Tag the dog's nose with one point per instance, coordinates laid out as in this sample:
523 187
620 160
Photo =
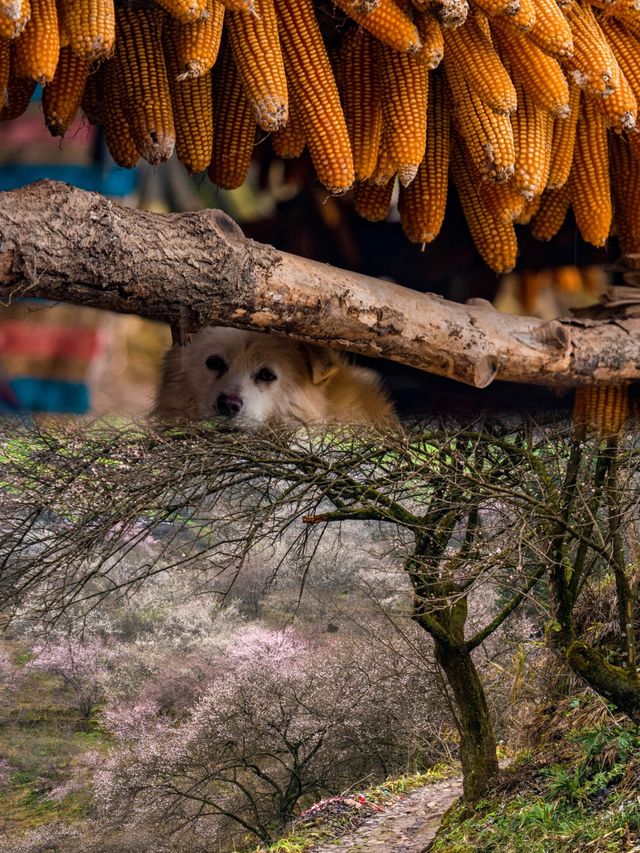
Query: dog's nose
229 404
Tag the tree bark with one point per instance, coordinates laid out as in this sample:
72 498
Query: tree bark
477 739
614 683
197 269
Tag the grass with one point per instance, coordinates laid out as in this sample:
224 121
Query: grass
39 757
580 793
40 742
534 825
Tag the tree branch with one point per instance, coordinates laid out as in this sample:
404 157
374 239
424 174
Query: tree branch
196 269
506 611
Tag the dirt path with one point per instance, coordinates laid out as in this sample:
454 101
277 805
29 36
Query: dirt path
407 826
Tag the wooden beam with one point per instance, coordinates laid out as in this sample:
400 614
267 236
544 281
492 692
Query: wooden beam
197 269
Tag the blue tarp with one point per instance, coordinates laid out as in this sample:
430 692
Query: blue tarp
113 181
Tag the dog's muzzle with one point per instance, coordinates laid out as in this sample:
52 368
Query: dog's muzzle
229 405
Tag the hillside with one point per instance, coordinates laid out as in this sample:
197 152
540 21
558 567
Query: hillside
576 788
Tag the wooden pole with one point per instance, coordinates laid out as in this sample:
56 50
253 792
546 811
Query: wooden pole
197 269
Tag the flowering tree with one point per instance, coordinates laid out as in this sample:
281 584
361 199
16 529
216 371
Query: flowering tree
82 667
281 723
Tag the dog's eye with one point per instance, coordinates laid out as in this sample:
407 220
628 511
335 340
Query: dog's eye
265 375
214 362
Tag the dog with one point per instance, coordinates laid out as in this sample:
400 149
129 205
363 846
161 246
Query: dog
256 379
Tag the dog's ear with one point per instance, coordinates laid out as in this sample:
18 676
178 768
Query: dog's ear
174 396
323 363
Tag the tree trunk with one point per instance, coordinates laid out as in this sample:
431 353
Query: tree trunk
198 269
477 739
619 564
614 683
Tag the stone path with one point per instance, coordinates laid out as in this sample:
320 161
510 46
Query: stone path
407 826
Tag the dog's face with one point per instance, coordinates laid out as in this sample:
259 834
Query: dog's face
253 379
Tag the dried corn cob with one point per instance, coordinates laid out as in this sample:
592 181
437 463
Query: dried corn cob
525 17
235 126
8 28
619 8
117 130
626 49
621 107
551 32
592 63
404 88
146 97
589 180
361 100
492 8
529 210
384 169
89 26
625 182
238 5
532 133
631 23
184 10
363 7
5 70
311 78
14 15
483 24
290 141
495 241
487 135
502 201
192 107
563 141
448 13
468 47
372 201
387 22
11 9
422 203
92 102
61 98
536 71
38 48
197 44
19 91
600 409
633 141
430 32
258 57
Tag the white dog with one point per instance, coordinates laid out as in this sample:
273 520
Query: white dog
263 379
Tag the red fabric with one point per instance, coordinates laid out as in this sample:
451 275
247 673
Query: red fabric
48 341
